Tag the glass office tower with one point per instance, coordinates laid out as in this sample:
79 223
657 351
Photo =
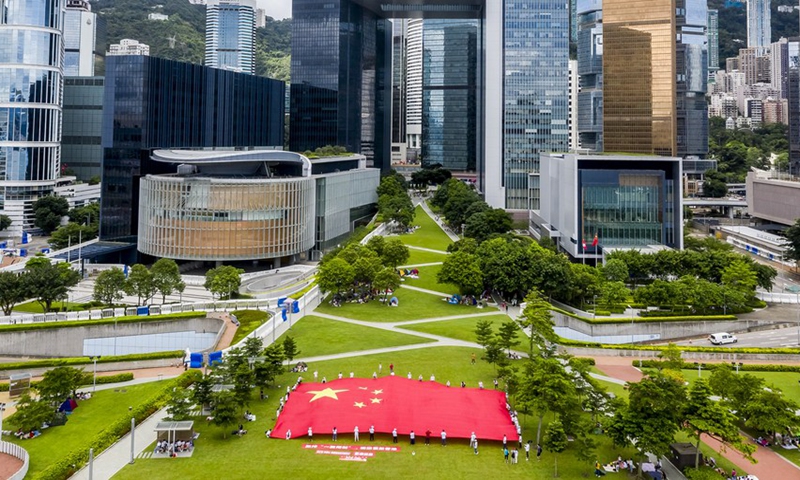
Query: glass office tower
31 63
535 91
449 93
231 35
691 65
759 27
590 69
712 26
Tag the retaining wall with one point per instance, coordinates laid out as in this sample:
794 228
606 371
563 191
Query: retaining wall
721 356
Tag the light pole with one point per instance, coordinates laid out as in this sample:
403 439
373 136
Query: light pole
632 326
2 409
94 359
736 366
133 432
594 307
700 369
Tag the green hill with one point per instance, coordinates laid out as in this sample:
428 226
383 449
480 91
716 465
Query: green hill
182 37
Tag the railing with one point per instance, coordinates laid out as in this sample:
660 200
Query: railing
17 452
775 297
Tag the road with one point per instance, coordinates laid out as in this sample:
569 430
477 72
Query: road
782 337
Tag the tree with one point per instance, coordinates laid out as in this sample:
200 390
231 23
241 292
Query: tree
793 242
167 277
463 270
243 383
72 234
555 440
202 393
740 276
705 416
290 350
59 383
714 188
265 372
670 358
546 387
179 405
12 290
394 253
48 212
225 410
253 347
536 317
376 244
5 222
48 282
224 281
109 285
613 293
616 270
483 332
140 283
32 414
482 225
367 267
507 335
89 214
386 280
493 353
335 275
770 411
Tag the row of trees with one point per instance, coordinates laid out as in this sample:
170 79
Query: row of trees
56 386
430 175
363 267
463 207
43 280
394 204
163 277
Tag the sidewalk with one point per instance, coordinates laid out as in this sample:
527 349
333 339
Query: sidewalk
446 230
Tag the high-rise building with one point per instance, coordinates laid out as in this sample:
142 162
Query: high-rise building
127 46
81 149
574 89
231 35
30 112
573 21
84 39
691 66
793 104
399 85
779 66
414 85
590 72
449 93
754 62
152 103
759 29
712 26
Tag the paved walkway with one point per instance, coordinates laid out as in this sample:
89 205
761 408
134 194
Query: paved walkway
425 290
417 265
423 249
438 221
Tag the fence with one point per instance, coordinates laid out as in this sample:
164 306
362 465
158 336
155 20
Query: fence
775 297
17 452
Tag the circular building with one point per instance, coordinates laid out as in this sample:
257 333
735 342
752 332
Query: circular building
226 205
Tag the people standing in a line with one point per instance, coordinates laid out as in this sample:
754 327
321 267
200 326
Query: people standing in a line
288 433
505 454
505 441
514 455
472 439
371 433
475 446
394 436
409 375
310 435
427 437
444 438
335 434
355 434
412 437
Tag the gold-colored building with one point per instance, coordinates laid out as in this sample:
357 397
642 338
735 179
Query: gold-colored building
639 76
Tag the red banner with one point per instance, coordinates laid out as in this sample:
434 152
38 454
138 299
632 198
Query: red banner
389 403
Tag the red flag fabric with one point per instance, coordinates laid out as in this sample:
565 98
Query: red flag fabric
394 402
594 242
584 244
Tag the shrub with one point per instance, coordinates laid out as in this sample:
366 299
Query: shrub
658 348
72 361
88 379
105 321
684 318
746 367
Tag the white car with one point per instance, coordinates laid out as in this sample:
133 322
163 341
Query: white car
722 338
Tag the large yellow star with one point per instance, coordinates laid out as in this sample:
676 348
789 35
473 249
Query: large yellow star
377 392
359 405
328 392
375 400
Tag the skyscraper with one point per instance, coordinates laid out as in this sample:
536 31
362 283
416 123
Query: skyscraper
759 29
712 26
30 155
691 66
231 35
84 39
414 85
590 71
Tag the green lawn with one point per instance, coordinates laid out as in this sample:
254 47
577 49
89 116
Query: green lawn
786 381
419 257
34 307
429 235
463 328
316 336
427 280
414 305
252 455
87 421
249 320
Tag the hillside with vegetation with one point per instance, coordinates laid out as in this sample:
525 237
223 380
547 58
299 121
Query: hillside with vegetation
182 36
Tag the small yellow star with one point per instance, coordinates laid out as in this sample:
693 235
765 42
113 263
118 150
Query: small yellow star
377 392
328 392
359 405
375 400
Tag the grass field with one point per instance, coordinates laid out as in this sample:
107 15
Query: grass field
427 280
462 328
414 305
317 336
252 455
35 307
429 235
88 420
249 320
419 257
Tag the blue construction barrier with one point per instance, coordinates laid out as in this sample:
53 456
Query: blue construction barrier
215 357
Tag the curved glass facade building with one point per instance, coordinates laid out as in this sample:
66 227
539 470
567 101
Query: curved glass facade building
31 62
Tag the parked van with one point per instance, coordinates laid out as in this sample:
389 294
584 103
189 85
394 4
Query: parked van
722 338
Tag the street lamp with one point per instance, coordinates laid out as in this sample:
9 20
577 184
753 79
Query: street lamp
594 307
700 369
94 359
736 366
632 319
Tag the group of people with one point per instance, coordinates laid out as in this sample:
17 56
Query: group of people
27 435
619 464
289 390
788 441
174 448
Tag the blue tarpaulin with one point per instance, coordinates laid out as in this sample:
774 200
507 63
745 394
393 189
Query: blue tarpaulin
142 311
215 357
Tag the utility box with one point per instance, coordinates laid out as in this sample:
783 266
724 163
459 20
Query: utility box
683 455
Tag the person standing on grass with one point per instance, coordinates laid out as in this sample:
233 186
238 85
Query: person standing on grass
372 433
505 441
444 438
335 434
394 435
391 367
505 454
538 452
355 434
473 359
310 435
527 452
427 437
412 437
475 446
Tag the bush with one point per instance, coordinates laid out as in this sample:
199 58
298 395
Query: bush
105 321
88 379
657 348
744 368
80 455
661 318
73 361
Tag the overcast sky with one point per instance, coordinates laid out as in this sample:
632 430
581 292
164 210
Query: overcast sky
276 8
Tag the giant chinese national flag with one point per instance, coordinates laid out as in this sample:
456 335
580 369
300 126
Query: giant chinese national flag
395 402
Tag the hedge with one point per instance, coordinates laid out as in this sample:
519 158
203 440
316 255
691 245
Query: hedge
745 367
78 457
299 295
88 380
688 318
58 362
104 321
658 348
